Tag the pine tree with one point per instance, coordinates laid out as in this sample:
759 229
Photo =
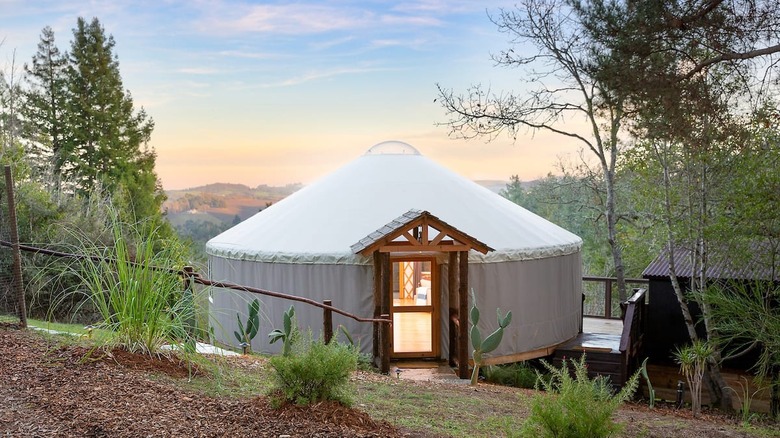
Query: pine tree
107 140
45 106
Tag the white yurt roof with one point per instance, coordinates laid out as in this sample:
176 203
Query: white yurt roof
320 222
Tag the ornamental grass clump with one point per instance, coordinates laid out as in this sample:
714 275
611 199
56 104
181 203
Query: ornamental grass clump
575 406
142 306
313 372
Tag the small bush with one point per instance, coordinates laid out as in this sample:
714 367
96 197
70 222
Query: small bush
314 372
577 407
519 375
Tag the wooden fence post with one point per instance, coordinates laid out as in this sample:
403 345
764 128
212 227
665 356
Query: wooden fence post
21 305
189 298
327 321
608 298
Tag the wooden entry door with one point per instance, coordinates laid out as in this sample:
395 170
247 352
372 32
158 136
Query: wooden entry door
414 308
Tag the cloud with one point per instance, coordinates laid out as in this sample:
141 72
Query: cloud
314 18
247 55
290 19
317 75
198 71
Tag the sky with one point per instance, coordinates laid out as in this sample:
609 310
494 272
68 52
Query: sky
277 92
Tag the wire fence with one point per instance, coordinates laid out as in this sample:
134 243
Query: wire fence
12 300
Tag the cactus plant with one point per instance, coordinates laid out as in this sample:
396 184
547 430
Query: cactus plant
248 331
489 343
288 334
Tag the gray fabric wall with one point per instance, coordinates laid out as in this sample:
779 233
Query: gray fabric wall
350 287
544 295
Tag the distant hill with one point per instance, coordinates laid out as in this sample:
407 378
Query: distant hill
224 201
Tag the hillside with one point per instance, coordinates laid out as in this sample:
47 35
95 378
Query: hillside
223 201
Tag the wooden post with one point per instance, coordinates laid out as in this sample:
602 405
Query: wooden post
386 292
608 298
327 322
463 315
189 299
385 355
21 305
377 299
452 289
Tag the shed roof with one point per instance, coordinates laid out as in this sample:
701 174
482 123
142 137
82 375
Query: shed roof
753 262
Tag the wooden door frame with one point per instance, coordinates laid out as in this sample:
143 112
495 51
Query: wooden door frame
434 308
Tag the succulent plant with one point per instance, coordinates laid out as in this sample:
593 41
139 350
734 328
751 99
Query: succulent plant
287 335
249 331
488 344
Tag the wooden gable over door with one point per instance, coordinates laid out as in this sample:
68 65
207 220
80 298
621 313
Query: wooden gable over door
419 231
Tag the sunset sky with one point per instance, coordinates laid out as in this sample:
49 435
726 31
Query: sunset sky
278 92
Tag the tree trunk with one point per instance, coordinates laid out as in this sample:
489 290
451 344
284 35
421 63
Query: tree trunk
617 252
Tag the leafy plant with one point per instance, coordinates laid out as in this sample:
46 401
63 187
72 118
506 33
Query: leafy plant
575 406
650 390
289 333
693 360
745 399
365 361
134 288
488 344
313 372
248 331
519 375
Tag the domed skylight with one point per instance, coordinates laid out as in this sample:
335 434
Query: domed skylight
392 148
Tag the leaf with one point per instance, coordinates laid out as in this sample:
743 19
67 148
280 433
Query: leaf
491 342
474 316
276 335
254 308
476 338
503 323
238 336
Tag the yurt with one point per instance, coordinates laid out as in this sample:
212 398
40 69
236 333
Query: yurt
395 233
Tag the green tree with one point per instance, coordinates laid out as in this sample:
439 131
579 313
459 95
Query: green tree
107 141
689 73
44 111
561 88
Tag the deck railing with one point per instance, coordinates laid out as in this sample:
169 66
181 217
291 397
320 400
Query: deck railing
600 298
633 330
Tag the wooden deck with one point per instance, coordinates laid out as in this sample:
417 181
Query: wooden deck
602 326
610 348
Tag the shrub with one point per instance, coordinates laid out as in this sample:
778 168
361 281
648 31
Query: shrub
143 307
519 375
314 372
576 406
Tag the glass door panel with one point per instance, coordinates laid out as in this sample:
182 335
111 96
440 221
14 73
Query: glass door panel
412 332
413 310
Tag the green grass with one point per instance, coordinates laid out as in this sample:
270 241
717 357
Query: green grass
441 409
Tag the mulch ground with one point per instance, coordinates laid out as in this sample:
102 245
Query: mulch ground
52 391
